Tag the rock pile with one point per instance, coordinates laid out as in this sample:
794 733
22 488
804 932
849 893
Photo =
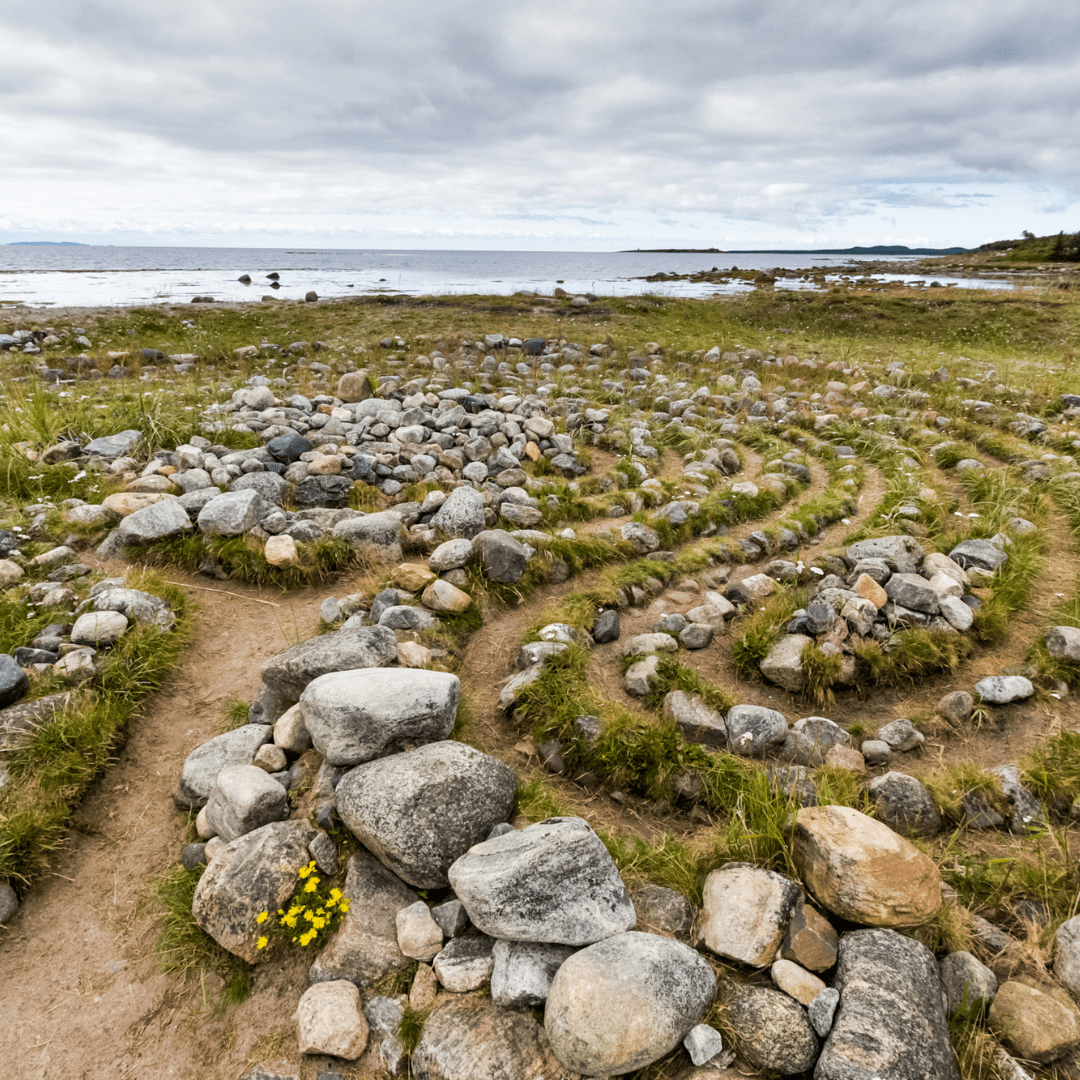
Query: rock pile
883 585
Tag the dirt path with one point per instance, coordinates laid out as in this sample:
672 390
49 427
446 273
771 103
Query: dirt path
84 997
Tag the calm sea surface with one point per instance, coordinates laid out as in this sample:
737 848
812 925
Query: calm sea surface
59 275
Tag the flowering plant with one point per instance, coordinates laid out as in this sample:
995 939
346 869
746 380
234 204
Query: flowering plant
312 914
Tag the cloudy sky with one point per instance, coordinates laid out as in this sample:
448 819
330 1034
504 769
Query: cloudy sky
568 124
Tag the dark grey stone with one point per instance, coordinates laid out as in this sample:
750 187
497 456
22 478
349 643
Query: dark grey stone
14 682
773 1030
905 805
606 628
969 985
503 558
980 554
328 491
891 1021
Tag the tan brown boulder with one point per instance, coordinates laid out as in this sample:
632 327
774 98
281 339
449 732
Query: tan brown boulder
870 590
354 386
412 577
860 869
1035 1023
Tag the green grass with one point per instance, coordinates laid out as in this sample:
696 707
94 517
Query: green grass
242 559
762 628
50 774
182 947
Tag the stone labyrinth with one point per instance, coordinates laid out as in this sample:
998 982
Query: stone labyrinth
651 725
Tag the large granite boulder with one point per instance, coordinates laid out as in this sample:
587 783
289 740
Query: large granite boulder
754 731
344 650
1037 1023
503 558
461 515
523 971
376 536
860 869
157 521
783 665
891 1021
233 513
355 716
551 882
256 872
421 810
364 948
625 1002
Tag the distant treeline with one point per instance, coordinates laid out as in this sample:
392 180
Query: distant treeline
1064 247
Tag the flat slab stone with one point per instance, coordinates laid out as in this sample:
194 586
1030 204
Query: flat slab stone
344 650
1004 689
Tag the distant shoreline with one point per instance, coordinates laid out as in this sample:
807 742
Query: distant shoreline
880 249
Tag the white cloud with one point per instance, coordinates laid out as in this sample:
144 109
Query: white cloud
612 123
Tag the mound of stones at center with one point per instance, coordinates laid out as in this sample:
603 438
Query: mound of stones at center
502 920
879 586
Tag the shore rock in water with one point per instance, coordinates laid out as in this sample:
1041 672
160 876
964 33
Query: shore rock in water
468 1038
891 1021
420 810
364 948
746 912
354 716
344 650
625 1002
236 747
860 869
551 882
774 1030
256 872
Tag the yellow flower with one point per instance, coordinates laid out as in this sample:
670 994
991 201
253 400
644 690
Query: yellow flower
343 906
318 923
306 870
308 915
261 943
312 885
262 917
335 894
289 921
308 937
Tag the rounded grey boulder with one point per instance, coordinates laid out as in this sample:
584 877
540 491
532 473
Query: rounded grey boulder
625 1002
552 882
355 716
419 811
774 1032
